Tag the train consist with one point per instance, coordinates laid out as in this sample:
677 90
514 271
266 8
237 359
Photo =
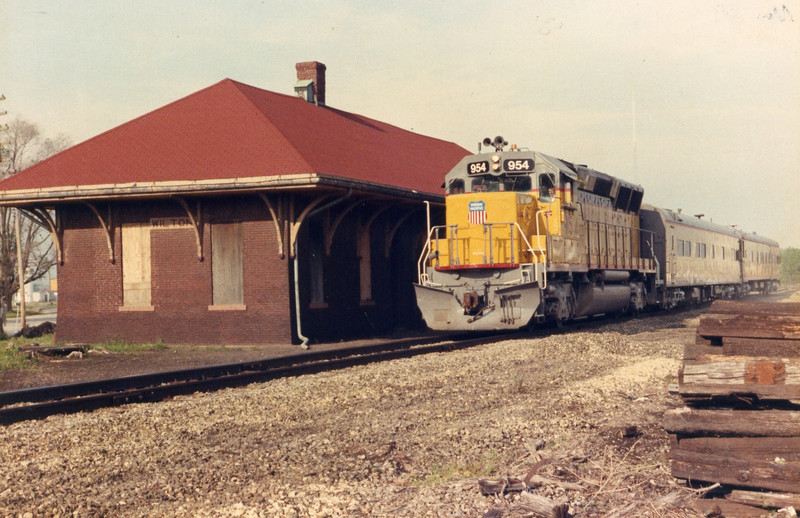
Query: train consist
530 238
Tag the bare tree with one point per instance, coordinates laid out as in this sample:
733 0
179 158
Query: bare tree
23 147
20 136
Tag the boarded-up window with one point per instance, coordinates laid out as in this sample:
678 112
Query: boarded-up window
135 265
226 263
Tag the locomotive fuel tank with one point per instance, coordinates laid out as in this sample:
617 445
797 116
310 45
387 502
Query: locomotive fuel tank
610 298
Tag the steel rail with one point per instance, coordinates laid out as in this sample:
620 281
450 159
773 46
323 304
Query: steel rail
41 402
37 403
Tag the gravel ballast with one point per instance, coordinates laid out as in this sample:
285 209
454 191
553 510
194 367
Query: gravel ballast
409 437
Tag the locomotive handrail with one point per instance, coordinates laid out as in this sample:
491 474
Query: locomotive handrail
546 229
426 251
434 236
511 226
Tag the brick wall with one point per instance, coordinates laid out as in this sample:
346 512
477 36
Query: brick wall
314 71
90 288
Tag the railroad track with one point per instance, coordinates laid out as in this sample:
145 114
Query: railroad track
38 403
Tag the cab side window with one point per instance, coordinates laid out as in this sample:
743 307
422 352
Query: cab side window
547 187
456 187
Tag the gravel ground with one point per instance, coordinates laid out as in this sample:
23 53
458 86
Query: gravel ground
409 437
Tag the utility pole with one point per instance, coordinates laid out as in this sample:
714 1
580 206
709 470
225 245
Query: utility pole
3 301
21 274
3 127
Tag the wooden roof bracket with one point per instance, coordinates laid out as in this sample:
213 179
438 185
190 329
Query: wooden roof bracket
197 224
393 231
331 230
107 228
278 219
296 223
43 218
363 228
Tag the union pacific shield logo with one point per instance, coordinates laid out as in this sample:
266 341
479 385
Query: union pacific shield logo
477 212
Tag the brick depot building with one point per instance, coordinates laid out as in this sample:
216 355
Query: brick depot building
237 216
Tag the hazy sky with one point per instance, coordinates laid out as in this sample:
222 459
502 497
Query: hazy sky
698 102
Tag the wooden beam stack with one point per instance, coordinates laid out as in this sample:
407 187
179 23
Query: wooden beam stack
740 382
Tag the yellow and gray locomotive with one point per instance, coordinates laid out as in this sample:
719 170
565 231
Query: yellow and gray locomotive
532 238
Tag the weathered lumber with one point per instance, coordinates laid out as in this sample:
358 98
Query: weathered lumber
742 351
742 370
764 348
777 476
495 486
755 448
722 507
540 506
754 308
770 378
742 423
764 499
677 498
737 346
49 350
701 347
750 326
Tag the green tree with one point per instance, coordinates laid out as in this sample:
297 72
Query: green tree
790 266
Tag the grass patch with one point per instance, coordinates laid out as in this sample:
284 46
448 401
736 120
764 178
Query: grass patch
12 359
122 347
28 312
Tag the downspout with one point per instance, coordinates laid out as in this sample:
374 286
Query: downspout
305 339
337 201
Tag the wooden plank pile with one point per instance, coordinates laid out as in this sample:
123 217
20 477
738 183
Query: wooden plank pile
740 381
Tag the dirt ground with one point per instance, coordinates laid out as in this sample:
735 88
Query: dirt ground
581 410
99 364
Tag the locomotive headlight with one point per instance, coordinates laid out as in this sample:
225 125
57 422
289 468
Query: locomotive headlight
495 163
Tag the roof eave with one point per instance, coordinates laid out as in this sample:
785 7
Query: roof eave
151 190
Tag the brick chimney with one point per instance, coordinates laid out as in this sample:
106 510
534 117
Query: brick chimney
313 72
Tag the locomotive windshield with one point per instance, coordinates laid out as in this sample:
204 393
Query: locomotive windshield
495 184
486 184
517 183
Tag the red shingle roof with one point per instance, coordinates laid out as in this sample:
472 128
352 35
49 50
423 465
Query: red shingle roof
232 130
